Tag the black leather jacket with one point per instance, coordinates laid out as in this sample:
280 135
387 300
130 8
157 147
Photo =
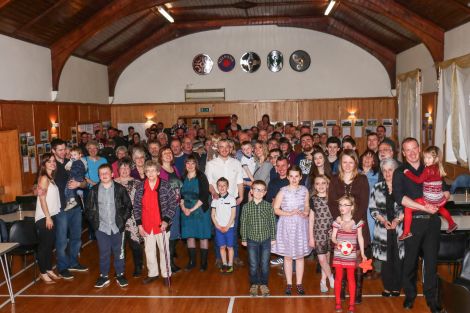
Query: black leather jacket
121 200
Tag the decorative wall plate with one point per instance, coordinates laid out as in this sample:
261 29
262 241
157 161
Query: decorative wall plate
250 62
275 61
202 64
299 60
226 62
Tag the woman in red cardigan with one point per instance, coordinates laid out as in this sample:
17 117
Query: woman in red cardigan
350 182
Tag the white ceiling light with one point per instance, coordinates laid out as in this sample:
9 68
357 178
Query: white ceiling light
330 7
166 14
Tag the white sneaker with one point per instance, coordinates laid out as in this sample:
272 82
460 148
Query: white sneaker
323 287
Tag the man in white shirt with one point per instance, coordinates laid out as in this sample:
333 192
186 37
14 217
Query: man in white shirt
231 169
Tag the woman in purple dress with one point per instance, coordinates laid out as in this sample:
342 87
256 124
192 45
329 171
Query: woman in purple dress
292 206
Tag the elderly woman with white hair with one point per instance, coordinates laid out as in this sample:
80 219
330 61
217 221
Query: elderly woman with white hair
388 216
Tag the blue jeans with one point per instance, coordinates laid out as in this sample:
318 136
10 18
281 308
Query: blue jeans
258 259
235 243
462 181
68 238
111 243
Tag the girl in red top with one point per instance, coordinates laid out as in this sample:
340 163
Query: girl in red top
431 178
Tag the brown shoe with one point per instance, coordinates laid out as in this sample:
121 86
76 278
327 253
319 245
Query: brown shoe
237 262
264 290
149 279
46 279
52 275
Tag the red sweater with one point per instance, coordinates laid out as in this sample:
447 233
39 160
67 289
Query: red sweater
151 219
432 184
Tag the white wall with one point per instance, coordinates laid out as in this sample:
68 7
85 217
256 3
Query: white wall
25 74
457 42
419 57
25 70
83 81
338 68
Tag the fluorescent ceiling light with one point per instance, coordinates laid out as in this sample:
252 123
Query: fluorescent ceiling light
330 7
166 14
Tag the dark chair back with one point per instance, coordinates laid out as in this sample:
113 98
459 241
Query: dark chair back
8 207
28 203
452 247
3 231
466 267
24 233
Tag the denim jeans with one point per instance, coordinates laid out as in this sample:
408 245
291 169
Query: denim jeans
462 181
68 237
235 245
258 259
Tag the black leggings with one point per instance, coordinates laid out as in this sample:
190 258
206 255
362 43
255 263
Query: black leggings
46 245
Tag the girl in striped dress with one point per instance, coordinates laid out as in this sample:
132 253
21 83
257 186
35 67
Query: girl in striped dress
347 235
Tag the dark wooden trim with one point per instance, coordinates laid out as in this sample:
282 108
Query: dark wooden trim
177 10
111 38
63 48
4 3
428 32
345 6
465 7
39 17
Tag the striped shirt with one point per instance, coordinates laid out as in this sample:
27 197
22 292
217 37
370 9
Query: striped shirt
258 222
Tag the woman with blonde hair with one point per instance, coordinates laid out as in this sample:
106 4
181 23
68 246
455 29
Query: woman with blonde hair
349 182
263 166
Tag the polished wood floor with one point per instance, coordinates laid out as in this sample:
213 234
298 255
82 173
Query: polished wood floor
208 292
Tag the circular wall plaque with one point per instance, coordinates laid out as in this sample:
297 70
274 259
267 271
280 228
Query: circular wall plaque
202 64
299 60
250 62
275 61
226 62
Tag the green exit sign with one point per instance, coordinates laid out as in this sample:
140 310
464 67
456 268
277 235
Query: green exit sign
204 110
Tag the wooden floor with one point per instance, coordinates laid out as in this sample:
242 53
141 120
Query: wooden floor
208 292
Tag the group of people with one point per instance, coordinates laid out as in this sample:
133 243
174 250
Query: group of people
277 189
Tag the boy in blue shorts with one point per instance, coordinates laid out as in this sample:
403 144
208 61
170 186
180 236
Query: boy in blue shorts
223 217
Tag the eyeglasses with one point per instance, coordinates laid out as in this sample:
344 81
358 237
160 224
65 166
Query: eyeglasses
258 190
385 150
345 205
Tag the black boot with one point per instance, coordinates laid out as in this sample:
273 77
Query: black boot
192 259
174 268
359 278
203 260
342 295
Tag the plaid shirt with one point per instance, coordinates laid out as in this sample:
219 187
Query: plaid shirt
258 222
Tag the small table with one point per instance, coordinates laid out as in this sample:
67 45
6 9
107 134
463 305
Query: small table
16 216
4 249
463 221
460 198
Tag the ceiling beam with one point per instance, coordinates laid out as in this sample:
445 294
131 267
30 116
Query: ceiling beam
118 33
386 56
350 9
120 63
461 5
4 3
430 34
39 17
252 21
260 4
63 48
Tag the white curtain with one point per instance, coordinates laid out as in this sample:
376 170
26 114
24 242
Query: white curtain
409 105
453 110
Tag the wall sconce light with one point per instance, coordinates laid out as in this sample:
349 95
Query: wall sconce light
54 124
352 115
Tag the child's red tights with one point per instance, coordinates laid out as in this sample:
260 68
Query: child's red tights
351 284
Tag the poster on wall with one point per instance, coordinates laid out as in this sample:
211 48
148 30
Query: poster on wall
26 163
358 124
318 126
41 149
34 165
346 127
329 127
43 135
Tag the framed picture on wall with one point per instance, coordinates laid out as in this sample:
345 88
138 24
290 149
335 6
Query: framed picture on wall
44 135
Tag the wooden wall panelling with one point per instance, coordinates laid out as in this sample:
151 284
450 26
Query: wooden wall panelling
68 117
84 114
104 112
277 111
45 113
10 168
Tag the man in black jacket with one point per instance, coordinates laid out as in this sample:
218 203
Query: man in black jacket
108 207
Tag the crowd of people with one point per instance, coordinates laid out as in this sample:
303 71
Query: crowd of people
279 190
